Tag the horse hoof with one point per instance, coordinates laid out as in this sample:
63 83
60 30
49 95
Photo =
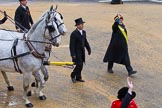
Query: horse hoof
46 78
42 97
10 88
29 93
33 84
29 105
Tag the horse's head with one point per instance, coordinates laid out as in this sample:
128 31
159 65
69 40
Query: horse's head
58 18
52 30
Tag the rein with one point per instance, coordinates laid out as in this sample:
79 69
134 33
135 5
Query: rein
17 24
55 37
26 40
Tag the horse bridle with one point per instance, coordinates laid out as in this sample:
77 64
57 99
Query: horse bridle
51 29
31 47
55 19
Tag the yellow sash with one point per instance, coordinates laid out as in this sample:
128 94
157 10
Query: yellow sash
124 33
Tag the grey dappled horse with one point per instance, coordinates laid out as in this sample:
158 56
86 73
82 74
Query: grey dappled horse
32 52
62 30
40 81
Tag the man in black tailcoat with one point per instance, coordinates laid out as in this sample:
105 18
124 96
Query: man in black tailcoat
117 51
78 43
23 17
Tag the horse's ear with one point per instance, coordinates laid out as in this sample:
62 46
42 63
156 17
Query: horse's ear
56 7
48 17
51 8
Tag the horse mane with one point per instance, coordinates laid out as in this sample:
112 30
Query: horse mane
44 14
35 24
34 27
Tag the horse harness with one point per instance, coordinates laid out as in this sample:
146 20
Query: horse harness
33 51
15 56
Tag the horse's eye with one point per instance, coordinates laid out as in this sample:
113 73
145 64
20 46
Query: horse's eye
51 28
55 19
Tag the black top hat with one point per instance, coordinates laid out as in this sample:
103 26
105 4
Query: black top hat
79 21
123 91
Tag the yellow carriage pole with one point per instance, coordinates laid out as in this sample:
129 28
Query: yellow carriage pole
58 63
61 63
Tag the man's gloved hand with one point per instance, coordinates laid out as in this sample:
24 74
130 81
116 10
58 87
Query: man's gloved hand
89 52
74 59
18 30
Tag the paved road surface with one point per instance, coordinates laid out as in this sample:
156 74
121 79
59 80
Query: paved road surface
143 22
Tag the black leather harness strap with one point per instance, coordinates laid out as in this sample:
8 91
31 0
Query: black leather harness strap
33 50
13 53
16 56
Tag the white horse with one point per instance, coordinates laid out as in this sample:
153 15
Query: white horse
40 81
29 53
62 30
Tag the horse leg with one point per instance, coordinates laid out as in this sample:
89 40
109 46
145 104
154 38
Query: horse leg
26 82
40 83
38 78
10 87
39 87
46 76
45 72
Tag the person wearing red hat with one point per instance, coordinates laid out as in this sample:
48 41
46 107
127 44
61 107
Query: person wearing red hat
125 97
78 43
4 18
23 17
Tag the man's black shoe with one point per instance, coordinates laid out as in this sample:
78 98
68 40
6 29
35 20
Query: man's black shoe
73 77
110 71
80 80
73 80
132 72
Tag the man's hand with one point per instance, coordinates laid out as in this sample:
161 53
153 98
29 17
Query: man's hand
18 30
130 85
74 59
89 52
